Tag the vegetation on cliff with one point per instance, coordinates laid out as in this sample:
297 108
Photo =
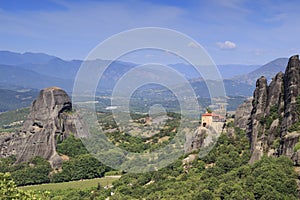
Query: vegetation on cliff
223 174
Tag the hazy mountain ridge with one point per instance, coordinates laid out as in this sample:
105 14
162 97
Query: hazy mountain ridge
38 70
57 67
268 70
13 58
11 100
16 77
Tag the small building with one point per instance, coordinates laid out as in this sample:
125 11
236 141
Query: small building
208 118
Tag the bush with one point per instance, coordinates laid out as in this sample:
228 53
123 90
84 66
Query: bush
9 190
81 167
297 146
36 171
71 147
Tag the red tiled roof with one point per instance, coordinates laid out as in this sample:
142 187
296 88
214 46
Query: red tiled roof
211 114
207 114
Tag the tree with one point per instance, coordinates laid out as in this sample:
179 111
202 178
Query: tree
209 110
35 171
9 190
205 195
81 167
71 147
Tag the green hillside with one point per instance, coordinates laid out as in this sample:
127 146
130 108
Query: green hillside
12 100
12 120
223 174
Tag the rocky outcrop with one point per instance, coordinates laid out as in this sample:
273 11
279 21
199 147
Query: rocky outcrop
259 104
203 137
195 140
275 111
242 114
291 92
50 119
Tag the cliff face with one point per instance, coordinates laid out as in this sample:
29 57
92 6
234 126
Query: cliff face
273 126
195 140
242 114
50 119
203 137
259 104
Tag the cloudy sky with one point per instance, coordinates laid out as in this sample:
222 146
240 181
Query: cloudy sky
231 31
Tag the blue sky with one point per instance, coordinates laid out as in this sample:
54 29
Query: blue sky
231 31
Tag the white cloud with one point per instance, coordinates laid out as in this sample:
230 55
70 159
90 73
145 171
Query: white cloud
227 45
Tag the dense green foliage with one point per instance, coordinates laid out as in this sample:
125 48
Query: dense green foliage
81 164
226 176
35 171
81 167
71 146
222 174
9 191
140 144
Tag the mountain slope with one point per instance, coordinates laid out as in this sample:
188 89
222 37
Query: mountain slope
55 67
13 76
231 70
12 58
35 70
11 100
268 70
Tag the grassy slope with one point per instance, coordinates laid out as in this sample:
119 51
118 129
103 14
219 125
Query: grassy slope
84 184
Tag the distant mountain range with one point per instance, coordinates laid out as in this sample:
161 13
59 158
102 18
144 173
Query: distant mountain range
15 77
268 70
12 58
55 67
37 70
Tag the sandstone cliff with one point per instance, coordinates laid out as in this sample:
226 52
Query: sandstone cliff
51 118
273 126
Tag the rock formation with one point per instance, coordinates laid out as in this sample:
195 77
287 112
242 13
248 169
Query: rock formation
273 126
242 114
203 137
195 140
50 119
259 104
